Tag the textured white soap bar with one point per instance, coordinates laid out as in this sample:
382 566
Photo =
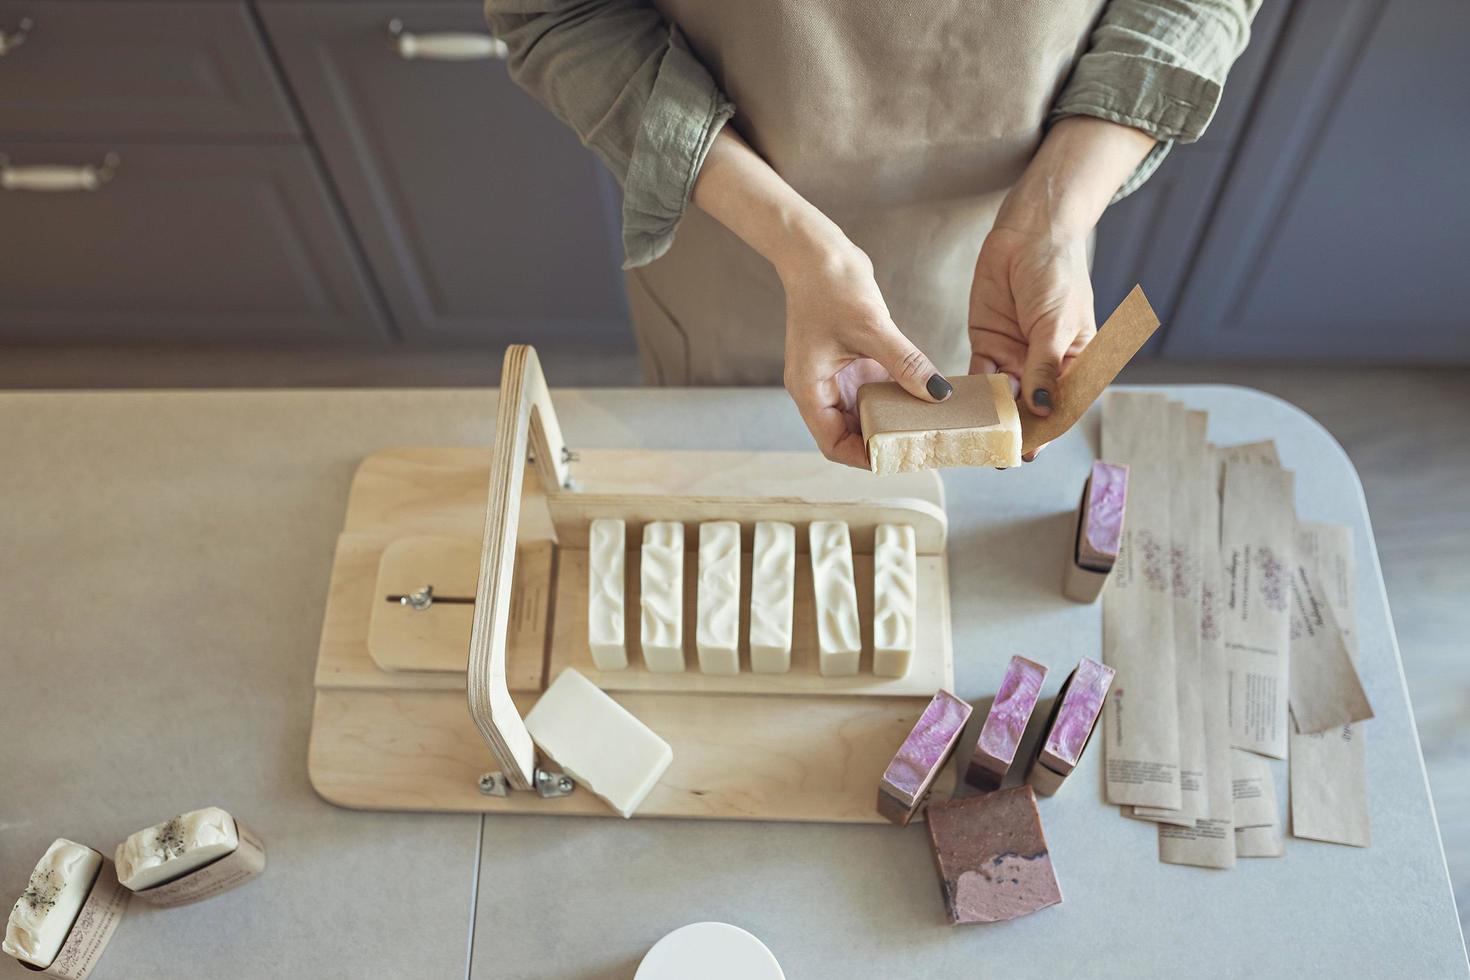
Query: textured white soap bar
772 594
717 628
662 598
839 637
598 742
40 921
175 847
606 546
895 599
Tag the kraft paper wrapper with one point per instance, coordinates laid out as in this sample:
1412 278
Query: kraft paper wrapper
1326 692
1253 787
1210 843
1189 484
1257 549
1118 339
1329 779
220 875
1141 721
93 928
1083 584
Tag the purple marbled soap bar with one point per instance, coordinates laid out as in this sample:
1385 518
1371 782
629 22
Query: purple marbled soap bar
1101 531
1005 726
1078 707
923 753
992 856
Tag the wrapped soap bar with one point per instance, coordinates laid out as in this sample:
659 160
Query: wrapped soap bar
190 857
906 782
992 857
1099 532
1006 723
67 913
1073 718
978 425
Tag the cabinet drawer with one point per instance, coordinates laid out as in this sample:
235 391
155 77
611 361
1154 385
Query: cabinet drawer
180 243
93 69
482 217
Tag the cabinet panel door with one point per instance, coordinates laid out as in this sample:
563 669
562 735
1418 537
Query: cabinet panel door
1343 229
483 218
183 243
142 69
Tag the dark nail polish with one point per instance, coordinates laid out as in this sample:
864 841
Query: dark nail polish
1041 398
938 388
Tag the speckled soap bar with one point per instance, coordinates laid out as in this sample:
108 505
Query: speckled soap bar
992 856
1078 707
924 752
1006 723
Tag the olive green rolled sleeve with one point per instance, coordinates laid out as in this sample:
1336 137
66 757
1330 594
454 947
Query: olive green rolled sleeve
626 82
1158 66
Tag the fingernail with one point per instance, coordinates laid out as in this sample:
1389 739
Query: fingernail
938 388
1041 398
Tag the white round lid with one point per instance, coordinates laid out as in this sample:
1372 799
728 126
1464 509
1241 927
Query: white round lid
709 951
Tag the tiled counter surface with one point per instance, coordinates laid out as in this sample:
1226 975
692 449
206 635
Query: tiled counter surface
163 566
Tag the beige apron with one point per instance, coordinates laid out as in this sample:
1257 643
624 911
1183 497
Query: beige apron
904 121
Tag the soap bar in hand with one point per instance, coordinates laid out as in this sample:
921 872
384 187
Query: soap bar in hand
772 596
978 425
175 847
717 624
662 596
895 599
606 556
992 856
598 742
40 922
1006 723
839 635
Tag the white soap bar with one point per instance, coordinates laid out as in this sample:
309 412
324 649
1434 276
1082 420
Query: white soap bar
662 598
772 595
606 546
175 847
839 637
598 742
895 599
42 919
717 627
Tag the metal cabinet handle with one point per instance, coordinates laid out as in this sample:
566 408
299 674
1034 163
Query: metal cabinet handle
10 40
447 45
52 178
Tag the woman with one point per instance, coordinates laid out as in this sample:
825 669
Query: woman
847 160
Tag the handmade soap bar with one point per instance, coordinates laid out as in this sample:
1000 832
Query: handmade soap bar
662 596
895 599
978 425
1005 725
906 781
772 596
839 637
598 742
717 626
40 921
1099 532
1078 707
606 550
992 857
175 847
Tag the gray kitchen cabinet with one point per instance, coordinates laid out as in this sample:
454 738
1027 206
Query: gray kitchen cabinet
185 243
137 69
483 219
1343 230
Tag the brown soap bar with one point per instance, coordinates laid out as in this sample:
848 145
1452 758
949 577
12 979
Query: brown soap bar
978 425
992 856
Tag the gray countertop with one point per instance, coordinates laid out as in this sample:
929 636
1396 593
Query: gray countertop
163 567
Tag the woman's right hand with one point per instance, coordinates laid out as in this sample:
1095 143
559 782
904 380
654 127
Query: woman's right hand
839 336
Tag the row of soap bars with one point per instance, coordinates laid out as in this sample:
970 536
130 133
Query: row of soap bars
772 596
